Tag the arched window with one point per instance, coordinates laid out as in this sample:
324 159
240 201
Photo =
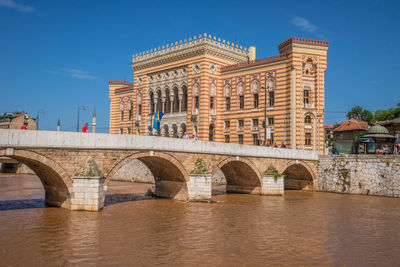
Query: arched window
227 95
151 103
184 98
307 119
211 133
159 101
176 100
167 107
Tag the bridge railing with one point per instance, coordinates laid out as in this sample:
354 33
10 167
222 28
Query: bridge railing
72 140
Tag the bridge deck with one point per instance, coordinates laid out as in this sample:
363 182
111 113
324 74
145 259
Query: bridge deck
72 140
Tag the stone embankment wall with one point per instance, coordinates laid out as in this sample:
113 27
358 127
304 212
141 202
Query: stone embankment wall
136 171
359 174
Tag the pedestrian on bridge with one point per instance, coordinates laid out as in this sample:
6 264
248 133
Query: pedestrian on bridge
85 128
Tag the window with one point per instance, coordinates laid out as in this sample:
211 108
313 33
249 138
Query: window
226 138
307 119
211 133
227 104
240 138
255 100
271 121
255 139
227 124
129 130
197 101
121 130
140 109
130 114
271 99
122 115
211 102
307 139
306 95
255 122
272 138
241 105
241 123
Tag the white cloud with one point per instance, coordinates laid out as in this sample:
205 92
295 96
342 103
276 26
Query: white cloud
304 24
80 74
74 73
16 6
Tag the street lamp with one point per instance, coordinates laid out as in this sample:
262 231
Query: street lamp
77 124
37 118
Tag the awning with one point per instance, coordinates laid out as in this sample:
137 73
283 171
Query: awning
397 141
365 140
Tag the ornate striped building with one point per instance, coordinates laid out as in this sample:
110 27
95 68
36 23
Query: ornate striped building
216 90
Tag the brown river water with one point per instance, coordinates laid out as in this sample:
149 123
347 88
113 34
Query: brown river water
301 228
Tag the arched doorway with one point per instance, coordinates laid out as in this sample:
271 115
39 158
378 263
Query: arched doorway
151 102
184 98
176 100
298 177
159 101
167 108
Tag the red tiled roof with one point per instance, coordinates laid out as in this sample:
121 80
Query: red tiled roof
328 126
255 62
123 89
119 82
352 125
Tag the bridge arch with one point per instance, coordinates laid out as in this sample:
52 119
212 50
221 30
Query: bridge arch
299 176
55 181
242 176
169 174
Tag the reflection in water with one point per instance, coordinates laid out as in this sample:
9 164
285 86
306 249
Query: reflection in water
302 228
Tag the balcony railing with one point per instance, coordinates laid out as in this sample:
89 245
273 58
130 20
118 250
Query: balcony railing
308 105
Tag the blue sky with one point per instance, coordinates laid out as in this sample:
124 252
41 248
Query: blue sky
58 55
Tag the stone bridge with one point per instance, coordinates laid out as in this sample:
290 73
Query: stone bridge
75 168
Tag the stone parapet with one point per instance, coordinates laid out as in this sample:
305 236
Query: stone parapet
272 186
72 140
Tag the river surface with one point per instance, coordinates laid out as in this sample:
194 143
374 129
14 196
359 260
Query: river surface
301 228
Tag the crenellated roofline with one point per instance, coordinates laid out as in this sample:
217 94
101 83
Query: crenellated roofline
201 45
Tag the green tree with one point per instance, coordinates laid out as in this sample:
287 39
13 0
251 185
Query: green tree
359 113
367 116
381 115
355 113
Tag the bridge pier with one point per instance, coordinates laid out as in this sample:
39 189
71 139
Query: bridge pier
88 188
273 185
199 187
87 193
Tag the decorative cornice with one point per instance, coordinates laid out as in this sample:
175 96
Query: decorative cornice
303 41
202 45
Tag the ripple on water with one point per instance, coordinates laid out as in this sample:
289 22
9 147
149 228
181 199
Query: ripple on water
302 228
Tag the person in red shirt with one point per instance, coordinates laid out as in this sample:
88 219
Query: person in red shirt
23 127
85 128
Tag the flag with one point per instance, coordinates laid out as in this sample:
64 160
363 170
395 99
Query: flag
157 118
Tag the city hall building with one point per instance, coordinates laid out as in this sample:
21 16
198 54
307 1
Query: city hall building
220 91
